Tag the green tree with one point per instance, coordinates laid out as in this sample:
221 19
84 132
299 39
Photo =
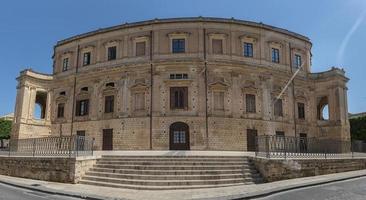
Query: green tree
5 129
358 128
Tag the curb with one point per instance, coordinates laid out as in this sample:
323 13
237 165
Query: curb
57 192
252 195
270 192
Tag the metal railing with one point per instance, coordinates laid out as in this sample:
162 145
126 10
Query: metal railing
65 146
271 146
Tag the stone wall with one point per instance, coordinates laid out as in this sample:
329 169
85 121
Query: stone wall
64 170
275 170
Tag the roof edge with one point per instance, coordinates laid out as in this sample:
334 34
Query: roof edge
182 19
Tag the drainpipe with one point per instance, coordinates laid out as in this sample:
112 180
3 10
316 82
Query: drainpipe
151 86
206 90
73 98
293 91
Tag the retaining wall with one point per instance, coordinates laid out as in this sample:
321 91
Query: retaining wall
64 170
275 170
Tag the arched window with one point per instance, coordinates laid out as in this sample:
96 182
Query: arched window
40 105
323 108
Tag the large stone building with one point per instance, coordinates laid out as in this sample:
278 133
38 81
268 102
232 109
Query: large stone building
186 83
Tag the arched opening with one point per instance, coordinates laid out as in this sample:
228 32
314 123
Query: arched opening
179 136
40 105
323 108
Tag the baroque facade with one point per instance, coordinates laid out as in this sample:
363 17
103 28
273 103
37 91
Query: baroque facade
186 83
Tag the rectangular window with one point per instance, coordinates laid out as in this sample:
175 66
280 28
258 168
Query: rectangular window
60 110
178 76
82 107
275 55
278 111
178 98
217 46
301 110
109 104
140 48
112 53
178 45
86 58
140 101
248 49
250 103
65 64
297 61
219 100
280 133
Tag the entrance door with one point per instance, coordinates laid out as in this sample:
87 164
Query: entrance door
107 139
251 139
179 136
80 140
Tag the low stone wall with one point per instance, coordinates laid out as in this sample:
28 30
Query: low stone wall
64 170
275 170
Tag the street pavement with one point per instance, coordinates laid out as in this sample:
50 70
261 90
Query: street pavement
13 193
354 189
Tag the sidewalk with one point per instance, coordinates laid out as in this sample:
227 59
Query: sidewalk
245 191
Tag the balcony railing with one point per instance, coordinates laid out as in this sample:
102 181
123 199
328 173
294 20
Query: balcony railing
65 146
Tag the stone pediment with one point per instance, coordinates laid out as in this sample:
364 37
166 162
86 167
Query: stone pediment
218 85
139 86
61 98
83 95
109 90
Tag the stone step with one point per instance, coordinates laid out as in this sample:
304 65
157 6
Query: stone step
247 177
145 187
175 159
173 167
173 172
166 182
102 162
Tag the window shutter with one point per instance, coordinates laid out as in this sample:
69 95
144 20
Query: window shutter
185 99
172 99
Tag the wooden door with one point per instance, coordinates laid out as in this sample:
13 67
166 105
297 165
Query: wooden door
179 136
107 139
251 139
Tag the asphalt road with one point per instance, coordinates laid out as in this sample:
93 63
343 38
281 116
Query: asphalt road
354 189
14 193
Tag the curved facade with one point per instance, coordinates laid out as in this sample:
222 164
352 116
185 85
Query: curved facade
144 86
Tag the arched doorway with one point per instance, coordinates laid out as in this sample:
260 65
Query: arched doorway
179 136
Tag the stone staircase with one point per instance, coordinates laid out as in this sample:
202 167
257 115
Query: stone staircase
171 172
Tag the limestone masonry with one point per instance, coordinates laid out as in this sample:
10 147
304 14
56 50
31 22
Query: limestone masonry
182 84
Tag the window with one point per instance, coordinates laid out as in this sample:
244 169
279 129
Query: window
178 76
112 53
86 58
82 107
301 110
140 48
278 111
248 49
179 137
297 61
217 46
60 110
140 101
109 104
250 103
84 89
275 55
63 93
110 84
280 134
219 100
178 45
178 98
65 64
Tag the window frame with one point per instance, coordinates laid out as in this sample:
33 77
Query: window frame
60 110
301 110
248 52
82 107
65 65
278 108
86 58
214 51
109 104
250 104
298 60
178 98
111 55
275 55
181 45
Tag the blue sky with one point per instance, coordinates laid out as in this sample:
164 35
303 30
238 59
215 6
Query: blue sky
29 29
